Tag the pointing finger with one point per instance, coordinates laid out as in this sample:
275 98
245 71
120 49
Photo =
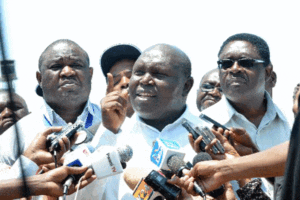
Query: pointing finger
110 85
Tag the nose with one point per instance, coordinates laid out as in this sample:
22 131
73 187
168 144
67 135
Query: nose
147 79
67 71
7 112
236 67
216 92
124 82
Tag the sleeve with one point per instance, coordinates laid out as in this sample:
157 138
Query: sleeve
104 137
8 147
252 190
29 169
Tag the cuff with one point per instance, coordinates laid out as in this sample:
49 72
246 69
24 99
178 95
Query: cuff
252 190
29 167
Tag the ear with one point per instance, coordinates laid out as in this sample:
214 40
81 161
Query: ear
188 86
39 78
273 78
268 72
91 70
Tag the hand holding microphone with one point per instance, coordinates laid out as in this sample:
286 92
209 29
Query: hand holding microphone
105 161
55 178
38 151
241 141
188 179
229 151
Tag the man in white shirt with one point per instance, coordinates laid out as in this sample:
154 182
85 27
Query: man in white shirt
244 68
159 86
65 78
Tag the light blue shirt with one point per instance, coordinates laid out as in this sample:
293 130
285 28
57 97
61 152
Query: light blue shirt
36 122
273 129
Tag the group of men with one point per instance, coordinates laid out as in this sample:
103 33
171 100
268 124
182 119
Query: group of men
146 100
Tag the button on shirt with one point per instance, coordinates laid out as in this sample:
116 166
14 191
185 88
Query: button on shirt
140 137
36 122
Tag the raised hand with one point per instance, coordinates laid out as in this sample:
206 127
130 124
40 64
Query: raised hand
113 106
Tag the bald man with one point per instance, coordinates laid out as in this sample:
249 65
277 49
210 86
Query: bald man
159 86
64 76
209 91
6 111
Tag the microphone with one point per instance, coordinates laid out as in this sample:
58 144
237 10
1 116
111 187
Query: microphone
77 158
202 156
162 150
207 135
105 161
109 161
69 132
177 165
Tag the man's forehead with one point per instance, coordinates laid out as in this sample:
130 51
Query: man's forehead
240 47
4 97
65 49
155 56
212 77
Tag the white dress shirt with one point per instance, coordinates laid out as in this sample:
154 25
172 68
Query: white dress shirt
32 124
273 129
140 137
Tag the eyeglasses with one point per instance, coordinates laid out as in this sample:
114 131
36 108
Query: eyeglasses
246 63
209 88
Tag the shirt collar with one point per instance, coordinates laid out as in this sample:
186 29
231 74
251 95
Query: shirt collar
271 113
272 109
223 104
186 114
50 113
224 107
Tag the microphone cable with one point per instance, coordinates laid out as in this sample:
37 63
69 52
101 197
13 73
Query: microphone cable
7 70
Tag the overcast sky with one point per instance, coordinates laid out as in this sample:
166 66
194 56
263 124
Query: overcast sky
198 28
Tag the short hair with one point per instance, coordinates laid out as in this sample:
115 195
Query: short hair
66 41
258 42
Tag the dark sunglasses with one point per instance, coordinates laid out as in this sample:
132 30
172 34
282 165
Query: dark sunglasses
246 63
209 88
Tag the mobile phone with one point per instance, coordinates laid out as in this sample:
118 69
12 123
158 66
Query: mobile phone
208 119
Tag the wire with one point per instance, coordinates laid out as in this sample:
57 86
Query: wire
6 72
55 158
78 188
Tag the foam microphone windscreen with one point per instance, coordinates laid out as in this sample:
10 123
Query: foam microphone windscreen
125 153
202 156
175 164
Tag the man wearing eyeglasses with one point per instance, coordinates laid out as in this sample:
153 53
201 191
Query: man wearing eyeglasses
209 91
244 67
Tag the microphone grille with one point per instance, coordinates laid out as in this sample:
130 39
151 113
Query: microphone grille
125 153
174 163
202 156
